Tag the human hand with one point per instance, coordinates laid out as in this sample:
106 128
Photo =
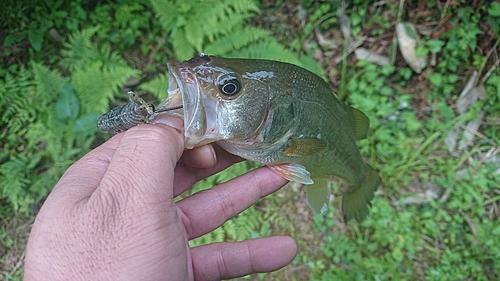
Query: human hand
112 215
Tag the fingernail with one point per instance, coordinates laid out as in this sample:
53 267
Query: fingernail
214 155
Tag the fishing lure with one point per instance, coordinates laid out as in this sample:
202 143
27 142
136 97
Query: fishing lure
135 112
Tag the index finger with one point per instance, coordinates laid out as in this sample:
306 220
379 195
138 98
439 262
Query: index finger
141 153
142 166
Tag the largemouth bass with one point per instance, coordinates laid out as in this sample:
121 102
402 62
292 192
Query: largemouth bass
280 115
274 113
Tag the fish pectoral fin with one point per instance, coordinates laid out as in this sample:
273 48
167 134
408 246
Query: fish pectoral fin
304 147
292 172
318 195
361 123
357 199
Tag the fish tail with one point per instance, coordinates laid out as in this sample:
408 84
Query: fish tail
357 199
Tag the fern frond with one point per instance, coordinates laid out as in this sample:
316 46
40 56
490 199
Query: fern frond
79 50
193 24
270 49
18 107
95 85
53 135
158 87
245 6
16 101
236 41
229 15
48 84
183 49
219 235
19 113
230 229
194 31
15 179
247 224
166 12
108 57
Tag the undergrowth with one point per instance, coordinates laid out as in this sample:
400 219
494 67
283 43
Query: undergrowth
435 218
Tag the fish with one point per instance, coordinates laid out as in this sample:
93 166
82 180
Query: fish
280 115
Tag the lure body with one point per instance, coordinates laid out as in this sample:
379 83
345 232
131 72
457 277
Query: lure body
122 118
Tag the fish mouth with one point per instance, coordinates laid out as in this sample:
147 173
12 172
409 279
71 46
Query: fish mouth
199 112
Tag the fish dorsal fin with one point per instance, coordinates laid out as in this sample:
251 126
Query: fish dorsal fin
318 195
293 172
361 123
304 147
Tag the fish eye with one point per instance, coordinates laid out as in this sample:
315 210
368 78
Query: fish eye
229 84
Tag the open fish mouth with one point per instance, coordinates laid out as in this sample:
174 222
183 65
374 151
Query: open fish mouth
198 111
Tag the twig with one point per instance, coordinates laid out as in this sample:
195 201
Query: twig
478 134
392 58
492 152
445 195
486 60
472 224
443 13
487 75
400 10
19 263
352 48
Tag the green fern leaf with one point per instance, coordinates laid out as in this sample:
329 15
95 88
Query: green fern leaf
218 235
95 85
230 229
183 49
18 108
236 41
194 23
158 87
193 32
167 13
79 50
48 84
272 50
108 57
15 181
52 134
245 6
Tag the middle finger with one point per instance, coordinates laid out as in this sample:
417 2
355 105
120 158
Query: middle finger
208 209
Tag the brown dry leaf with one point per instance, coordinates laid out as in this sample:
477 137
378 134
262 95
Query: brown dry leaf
364 54
408 41
461 137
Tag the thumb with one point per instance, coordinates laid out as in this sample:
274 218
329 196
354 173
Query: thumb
142 166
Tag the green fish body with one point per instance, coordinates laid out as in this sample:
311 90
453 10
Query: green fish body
280 115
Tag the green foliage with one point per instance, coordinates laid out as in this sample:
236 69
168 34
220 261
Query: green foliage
46 109
456 231
245 225
193 24
461 41
17 167
32 20
94 82
52 92
218 28
157 86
